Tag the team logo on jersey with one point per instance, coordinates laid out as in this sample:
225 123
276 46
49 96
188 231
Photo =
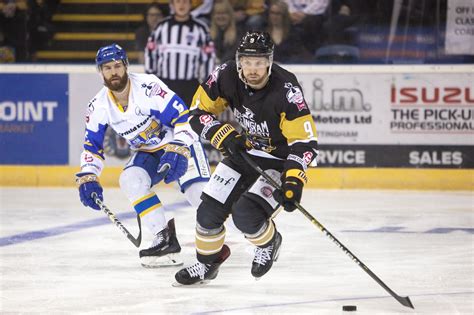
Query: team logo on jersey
248 115
189 38
205 119
295 96
258 134
90 106
214 75
266 191
90 110
88 158
247 120
307 157
260 143
154 89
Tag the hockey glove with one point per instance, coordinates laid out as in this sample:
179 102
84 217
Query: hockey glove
89 183
291 191
176 156
230 143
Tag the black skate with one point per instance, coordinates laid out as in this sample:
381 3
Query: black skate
200 273
164 250
265 256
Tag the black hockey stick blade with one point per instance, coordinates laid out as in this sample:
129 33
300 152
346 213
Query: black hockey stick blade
135 241
405 301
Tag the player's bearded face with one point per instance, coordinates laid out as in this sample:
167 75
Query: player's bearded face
115 75
255 69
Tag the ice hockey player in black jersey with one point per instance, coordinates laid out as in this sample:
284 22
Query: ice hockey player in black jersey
278 133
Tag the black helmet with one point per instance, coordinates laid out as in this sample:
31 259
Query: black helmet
256 43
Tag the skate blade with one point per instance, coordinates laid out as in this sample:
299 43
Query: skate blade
194 285
161 261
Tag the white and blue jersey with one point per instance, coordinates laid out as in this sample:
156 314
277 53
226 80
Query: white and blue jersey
155 115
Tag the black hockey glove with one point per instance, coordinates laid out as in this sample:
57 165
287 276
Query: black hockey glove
230 143
291 191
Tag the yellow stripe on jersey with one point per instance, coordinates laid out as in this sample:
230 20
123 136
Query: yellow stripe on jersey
116 102
300 128
182 113
204 102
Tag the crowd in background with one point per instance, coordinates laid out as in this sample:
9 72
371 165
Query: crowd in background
298 28
304 31
25 28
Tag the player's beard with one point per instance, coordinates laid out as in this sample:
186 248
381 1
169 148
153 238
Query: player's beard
116 85
257 82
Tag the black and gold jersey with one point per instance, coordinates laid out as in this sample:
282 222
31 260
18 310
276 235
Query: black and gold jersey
275 119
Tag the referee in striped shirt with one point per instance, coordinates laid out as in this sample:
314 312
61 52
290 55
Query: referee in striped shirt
180 51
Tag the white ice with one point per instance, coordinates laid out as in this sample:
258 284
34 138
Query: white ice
419 243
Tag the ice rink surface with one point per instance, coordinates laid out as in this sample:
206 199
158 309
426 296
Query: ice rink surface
59 257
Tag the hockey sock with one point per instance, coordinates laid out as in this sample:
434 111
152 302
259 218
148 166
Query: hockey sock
264 235
209 244
151 213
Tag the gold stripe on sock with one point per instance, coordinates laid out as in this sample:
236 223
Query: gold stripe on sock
143 198
265 237
208 245
154 207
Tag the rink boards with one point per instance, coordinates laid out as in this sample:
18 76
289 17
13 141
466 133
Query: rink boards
402 127
337 178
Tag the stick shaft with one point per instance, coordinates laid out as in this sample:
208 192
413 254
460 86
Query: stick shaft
136 241
405 301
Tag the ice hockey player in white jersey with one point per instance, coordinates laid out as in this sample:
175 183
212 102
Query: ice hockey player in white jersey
154 121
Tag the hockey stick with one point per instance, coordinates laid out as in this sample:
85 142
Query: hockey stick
162 172
136 241
404 300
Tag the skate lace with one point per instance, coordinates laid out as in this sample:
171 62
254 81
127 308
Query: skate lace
262 255
159 238
198 270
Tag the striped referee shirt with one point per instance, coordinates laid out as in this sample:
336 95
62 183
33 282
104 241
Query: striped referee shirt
180 50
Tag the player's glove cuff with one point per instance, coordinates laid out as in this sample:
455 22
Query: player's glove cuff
179 148
221 134
298 174
82 178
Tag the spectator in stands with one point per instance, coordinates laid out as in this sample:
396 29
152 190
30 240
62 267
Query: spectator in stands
342 16
7 53
307 16
224 31
13 21
39 25
289 47
249 14
154 13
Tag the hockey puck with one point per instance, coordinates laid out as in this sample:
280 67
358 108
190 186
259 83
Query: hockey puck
349 308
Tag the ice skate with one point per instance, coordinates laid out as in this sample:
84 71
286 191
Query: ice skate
200 273
164 250
265 256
